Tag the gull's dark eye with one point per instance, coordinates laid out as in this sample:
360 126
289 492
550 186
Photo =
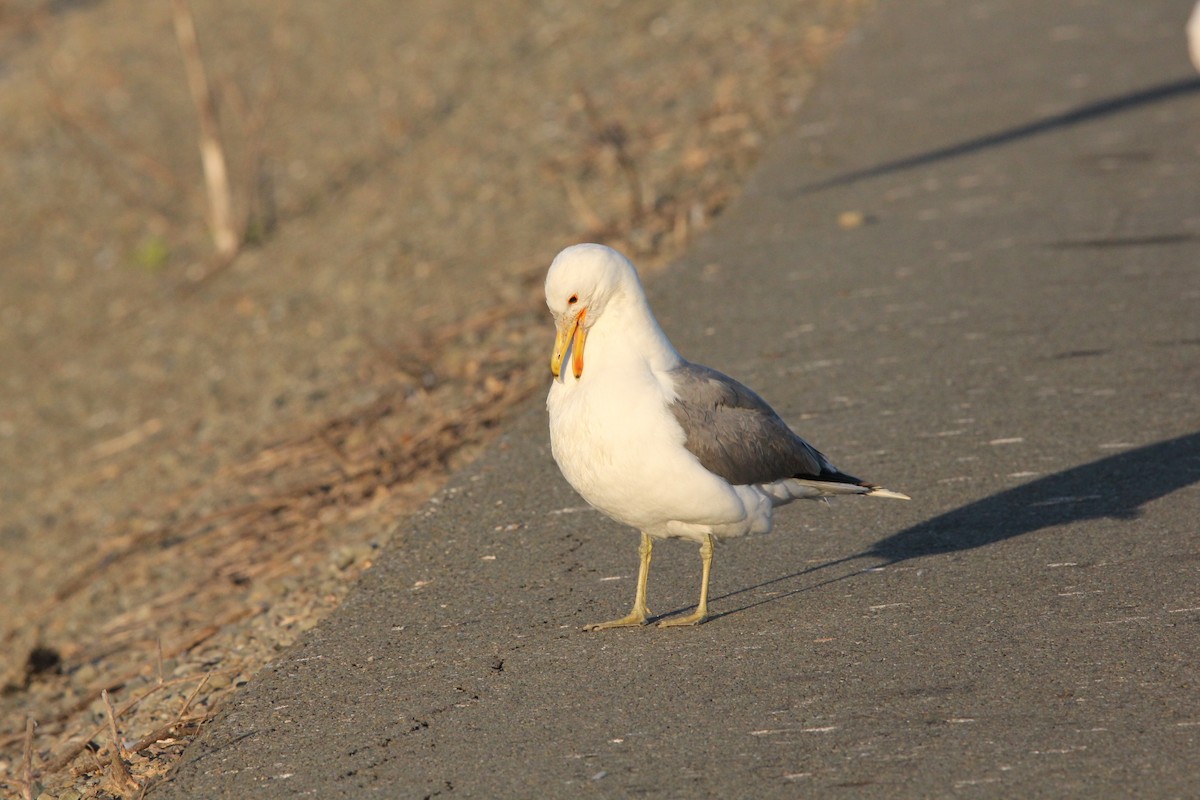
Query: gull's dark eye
573 299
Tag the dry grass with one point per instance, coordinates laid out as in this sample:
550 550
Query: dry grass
213 580
226 237
370 463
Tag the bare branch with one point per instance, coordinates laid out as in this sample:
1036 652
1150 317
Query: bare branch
120 773
212 154
27 761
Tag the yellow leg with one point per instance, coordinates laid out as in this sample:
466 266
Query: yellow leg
701 612
640 614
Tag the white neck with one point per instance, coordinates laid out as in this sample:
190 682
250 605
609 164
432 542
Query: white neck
627 334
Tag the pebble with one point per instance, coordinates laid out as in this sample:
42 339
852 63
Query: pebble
849 220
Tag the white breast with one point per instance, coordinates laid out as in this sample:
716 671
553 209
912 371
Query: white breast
617 444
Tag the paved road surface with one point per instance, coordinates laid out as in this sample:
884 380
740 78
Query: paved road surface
1012 337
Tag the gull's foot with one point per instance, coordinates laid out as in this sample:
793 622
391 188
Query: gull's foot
635 619
696 618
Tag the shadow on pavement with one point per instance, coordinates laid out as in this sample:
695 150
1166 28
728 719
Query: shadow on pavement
1116 486
1113 487
1085 113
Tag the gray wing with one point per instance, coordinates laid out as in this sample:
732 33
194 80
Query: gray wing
735 434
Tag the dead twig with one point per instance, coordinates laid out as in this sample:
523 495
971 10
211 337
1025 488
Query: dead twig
88 769
112 722
60 761
161 677
27 760
123 442
180 727
212 153
188 702
120 773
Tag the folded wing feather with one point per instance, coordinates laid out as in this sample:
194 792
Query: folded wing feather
736 435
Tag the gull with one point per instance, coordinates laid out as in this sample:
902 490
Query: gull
668 447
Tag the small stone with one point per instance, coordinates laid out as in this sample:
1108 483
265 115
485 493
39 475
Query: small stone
70 794
343 558
219 681
848 220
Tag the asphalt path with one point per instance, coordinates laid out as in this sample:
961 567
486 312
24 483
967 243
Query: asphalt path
1011 336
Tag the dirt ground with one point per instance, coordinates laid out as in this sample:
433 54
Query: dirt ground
198 458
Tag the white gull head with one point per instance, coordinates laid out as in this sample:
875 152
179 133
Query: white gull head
590 286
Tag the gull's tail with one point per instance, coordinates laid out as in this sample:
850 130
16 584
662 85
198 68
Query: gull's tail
879 491
834 482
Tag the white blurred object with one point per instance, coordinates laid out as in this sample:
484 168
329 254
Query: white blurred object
1193 34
